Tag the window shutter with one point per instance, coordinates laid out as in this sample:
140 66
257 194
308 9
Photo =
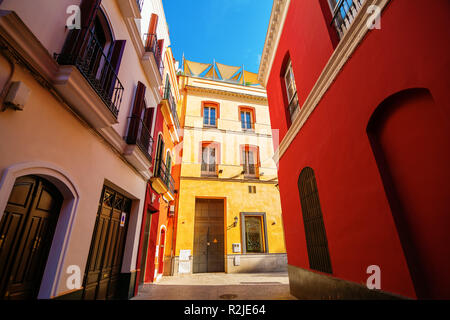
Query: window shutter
161 47
139 100
115 58
74 45
148 119
152 30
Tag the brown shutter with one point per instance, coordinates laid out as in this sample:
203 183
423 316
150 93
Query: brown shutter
135 119
74 45
152 30
148 118
139 100
115 59
161 47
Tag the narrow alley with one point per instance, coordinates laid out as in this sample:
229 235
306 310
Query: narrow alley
219 286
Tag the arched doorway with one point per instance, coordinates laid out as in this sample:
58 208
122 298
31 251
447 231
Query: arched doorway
410 139
26 233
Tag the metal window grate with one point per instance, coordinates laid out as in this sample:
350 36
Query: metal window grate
316 238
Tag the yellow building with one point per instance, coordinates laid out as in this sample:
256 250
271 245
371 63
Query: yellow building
229 212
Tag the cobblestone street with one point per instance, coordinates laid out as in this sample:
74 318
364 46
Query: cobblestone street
219 286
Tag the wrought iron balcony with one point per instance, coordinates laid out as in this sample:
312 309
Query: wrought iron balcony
140 4
163 173
96 68
139 134
173 106
344 14
209 169
151 45
250 170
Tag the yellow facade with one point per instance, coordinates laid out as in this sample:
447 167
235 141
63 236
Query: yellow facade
229 184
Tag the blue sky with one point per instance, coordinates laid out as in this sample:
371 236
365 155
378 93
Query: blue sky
231 31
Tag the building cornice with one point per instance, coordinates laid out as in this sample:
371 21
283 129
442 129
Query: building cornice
190 88
346 47
276 24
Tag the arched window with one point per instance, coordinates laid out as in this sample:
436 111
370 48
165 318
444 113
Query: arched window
316 238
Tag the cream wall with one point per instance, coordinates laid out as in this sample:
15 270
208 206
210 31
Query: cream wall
52 34
46 131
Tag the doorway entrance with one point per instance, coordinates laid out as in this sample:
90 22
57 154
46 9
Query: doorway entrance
105 256
209 240
26 234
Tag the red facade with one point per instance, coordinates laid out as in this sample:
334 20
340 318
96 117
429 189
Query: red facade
378 142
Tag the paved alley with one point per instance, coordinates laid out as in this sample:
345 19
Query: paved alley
219 286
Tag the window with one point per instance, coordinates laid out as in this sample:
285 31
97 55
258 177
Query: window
247 118
344 12
250 161
316 237
291 91
209 159
210 116
254 233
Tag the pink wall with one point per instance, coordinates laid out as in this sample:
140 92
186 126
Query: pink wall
410 51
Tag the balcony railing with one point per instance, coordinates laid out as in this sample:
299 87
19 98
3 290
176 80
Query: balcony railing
344 14
140 4
95 66
139 134
250 170
173 106
293 107
151 45
164 174
209 169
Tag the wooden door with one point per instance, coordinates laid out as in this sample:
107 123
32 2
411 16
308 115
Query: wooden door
26 233
107 246
209 249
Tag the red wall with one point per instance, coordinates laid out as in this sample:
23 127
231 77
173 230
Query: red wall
410 51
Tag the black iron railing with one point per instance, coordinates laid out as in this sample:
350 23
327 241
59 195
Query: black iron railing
139 134
344 14
173 106
89 58
151 45
250 170
163 173
140 4
293 106
209 169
